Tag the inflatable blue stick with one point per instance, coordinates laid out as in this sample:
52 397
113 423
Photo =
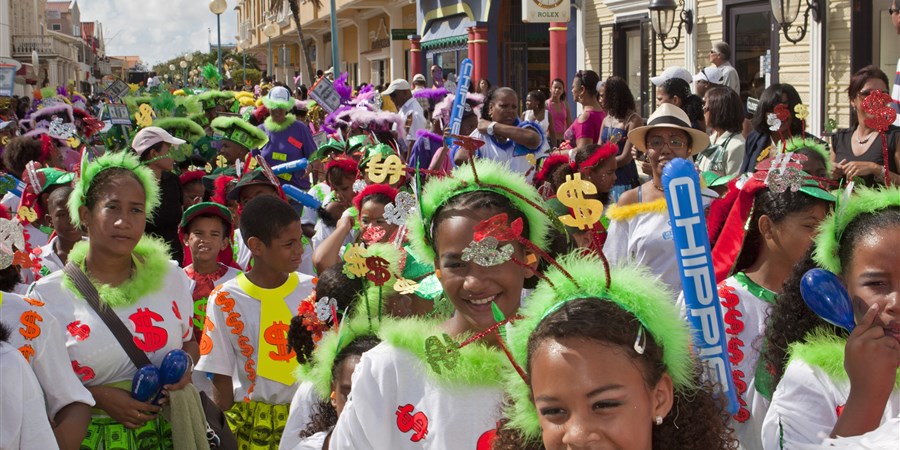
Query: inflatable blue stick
462 90
290 167
686 215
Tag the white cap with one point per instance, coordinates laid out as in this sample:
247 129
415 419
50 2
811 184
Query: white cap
280 94
418 77
397 85
150 136
711 74
672 72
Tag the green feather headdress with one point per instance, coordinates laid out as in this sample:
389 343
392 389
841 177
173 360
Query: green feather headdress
319 370
210 99
865 200
491 176
124 159
236 129
797 143
181 127
631 288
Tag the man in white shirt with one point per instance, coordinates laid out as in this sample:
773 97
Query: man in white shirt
720 56
400 93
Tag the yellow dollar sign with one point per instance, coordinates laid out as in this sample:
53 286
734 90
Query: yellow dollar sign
406 286
253 164
585 212
379 171
221 162
355 261
73 142
531 159
26 214
144 116
4 140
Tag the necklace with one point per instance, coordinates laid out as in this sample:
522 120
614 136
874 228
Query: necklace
866 140
657 187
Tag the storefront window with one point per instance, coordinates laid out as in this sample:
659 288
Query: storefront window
751 35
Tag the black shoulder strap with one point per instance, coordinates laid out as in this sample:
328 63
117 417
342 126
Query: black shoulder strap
112 321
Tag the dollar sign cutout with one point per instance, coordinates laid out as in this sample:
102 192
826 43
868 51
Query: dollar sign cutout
206 344
585 212
27 351
199 312
221 162
154 337
406 286
31 329
26 214
144 116
73 142
276 335
378 272
79 331
418 422
355 261
83 372
379 171
440 354
4 141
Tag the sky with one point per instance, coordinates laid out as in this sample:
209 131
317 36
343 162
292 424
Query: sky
157 30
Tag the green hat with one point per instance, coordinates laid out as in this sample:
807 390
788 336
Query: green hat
211 99
199 119
206 208
327 149
631 288
239 131
371 150
354 142
712 179
249 179
112 160
181 128
54 177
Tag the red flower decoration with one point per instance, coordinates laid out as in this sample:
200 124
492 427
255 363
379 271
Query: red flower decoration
782 111
500 228
881 115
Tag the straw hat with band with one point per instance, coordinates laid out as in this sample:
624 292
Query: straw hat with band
668 115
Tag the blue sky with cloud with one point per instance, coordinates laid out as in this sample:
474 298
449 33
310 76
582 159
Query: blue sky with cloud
157 30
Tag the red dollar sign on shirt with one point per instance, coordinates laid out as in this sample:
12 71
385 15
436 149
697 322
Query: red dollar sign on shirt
154 337
378 272
83 372
30 319
276 335
80 331
417 422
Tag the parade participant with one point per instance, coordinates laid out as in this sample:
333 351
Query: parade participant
762 141
835 384
677 91
857 151
586 127
767 230
506 139
53 256
251 185
595 163
639 231
369 206
397 378
260 304
723 113
536 110
236 138
340 174
558 109
440 157
625 355
152 145
22 150
413 115
32 209
40 340
192 190
289 139
307 333
135 279
617 101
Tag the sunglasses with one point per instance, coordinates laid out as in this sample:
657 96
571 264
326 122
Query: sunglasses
892 11
865 93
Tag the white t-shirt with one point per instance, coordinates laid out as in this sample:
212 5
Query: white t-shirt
302 406
806 406
414 109
36 237
314 442
644 239
160 322
224 356
23 426
513 154
201 379
36 332
391 384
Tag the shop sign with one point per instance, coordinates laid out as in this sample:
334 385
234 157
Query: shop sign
402 34
545 11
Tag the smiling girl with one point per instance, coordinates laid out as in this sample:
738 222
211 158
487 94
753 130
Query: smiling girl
409 392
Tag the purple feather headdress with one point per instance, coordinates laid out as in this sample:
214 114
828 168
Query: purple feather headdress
429 135
337 118
377 121
435 94
443 109
342 88
46 113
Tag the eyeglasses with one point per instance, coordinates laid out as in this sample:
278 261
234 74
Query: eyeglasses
892 11
657 143
866 92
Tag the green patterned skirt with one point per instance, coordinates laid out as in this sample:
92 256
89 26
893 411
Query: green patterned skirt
105 433
257 425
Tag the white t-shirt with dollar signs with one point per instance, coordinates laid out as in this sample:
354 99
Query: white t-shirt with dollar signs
230 341
160 322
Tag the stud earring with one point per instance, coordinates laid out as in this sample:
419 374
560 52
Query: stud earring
333 395
658 420
437 273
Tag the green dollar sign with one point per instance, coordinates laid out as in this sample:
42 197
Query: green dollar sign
439 353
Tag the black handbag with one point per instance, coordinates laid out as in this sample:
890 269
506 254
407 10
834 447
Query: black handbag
218 433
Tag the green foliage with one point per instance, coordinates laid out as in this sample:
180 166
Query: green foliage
253 75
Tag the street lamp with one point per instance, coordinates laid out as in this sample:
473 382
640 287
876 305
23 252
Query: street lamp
662 18
171 72
183 65
243 44
270 30
785 12
218 7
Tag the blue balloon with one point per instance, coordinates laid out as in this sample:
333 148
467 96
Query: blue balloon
301 197
290 167
824 293
173 367
145 384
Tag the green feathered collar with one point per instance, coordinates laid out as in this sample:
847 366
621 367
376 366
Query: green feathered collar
151 259
826 351
279 127
477 366
319 370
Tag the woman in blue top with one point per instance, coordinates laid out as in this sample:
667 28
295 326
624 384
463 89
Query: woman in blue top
618 102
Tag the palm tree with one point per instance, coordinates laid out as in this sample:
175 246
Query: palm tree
276 6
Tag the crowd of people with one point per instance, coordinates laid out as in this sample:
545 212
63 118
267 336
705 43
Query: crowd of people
250 270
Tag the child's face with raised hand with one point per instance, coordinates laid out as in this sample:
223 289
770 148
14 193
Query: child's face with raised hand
470 287
873 277
372 215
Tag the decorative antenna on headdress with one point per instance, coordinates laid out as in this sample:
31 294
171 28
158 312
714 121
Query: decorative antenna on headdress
776 119
877 106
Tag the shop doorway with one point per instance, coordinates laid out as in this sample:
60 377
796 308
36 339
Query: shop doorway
753 37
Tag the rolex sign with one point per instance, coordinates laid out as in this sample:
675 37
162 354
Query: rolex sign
538 11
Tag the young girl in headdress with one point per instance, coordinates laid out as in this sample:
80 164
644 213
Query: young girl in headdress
436 383
831 383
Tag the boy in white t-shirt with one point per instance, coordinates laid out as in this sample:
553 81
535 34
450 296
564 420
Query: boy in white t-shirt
247 321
